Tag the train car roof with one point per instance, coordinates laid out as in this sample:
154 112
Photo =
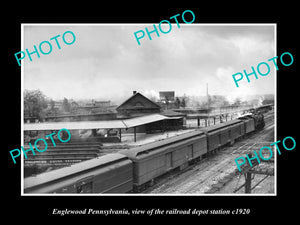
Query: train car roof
220 126
53 175
161 143
246 116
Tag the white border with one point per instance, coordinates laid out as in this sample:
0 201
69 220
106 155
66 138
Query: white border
143 24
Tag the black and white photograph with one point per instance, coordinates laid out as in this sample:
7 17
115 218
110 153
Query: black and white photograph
161 109
149 111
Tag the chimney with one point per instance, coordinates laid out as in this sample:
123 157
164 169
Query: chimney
134 92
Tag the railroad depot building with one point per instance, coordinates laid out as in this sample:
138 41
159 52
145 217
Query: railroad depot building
137 105
151 116
137 114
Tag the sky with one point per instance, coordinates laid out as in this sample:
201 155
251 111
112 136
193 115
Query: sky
105 62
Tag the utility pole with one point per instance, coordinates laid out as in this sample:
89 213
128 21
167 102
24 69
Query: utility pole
247 182
208 104
207 96
249 170
207 90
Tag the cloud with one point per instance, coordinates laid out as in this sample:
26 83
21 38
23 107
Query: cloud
106 62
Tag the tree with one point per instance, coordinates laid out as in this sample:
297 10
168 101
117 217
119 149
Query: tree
237 102
66 105
51 110
52 104
183 102
177 103
34 103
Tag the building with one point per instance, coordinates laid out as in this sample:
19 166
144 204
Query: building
56 105
167 96
167 100
137 105
100 104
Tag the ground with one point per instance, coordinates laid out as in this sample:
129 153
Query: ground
218 174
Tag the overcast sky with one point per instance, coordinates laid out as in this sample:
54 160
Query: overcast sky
105 62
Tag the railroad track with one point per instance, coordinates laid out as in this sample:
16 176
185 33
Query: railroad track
212 173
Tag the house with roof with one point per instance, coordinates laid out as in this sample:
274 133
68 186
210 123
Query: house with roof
137 105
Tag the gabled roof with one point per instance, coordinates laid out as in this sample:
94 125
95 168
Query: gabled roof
171 113
138 121
136 95
108 124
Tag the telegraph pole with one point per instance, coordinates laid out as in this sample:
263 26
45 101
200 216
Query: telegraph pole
208 104
249 170
207 91
248 182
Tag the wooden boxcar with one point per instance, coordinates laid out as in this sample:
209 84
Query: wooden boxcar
110 173
224 133
154 159
249 123
213 139
217 136
237 130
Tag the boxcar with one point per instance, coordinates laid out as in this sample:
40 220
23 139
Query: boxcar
237 129
217 136
249 123
154 159
110 173
213 139
224 133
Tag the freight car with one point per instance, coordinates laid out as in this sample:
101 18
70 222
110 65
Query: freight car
222 134
154 159
110 173
133 169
